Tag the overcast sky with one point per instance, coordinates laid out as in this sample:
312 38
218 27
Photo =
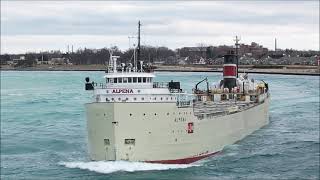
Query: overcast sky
46 25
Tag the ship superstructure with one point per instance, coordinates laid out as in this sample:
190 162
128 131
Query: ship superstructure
134 118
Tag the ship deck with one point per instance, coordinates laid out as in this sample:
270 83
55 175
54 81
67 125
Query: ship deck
211 108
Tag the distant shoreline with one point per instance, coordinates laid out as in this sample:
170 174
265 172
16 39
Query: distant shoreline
283 70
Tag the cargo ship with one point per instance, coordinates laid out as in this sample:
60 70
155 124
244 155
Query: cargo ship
134 118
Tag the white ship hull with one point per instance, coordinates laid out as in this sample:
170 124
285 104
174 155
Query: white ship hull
158 132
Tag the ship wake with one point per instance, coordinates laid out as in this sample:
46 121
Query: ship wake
107 167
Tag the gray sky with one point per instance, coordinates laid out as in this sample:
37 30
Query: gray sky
46 25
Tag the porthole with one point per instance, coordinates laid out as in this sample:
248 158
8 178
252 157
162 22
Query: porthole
155 114
130 114
119 99
107 99
167 114
127 99
112 99
135 99
142 99
144 114
161 98
167 98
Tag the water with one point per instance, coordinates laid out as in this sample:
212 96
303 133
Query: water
43 132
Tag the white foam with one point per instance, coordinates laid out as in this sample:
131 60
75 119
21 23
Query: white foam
15 94
107 167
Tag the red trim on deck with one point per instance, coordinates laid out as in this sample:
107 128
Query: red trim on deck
229 70
184 160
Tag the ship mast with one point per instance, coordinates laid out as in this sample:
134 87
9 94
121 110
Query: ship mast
138 52
237 52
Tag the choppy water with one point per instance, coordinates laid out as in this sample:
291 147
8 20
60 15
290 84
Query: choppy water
43 132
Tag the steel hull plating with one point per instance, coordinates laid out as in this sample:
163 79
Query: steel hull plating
159 132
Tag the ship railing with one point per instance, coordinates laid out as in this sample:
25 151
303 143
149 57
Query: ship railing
176 91
100 85
184 103
160 85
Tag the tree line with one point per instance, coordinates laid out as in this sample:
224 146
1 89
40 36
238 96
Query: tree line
148 54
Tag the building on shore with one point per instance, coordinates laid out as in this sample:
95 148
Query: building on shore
16 60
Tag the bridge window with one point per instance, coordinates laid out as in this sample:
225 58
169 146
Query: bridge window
119 80
125 80
139 79
115 80
134 79
129 79
144 79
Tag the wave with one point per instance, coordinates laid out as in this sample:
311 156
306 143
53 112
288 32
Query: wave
15 94
107 167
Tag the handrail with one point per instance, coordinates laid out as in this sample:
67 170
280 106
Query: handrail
184 103
160 85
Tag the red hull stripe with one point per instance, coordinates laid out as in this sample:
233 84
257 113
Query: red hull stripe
184 160
229 71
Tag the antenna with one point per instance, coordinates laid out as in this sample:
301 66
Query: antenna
130 37
275 44
110 63
237 53
134 58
